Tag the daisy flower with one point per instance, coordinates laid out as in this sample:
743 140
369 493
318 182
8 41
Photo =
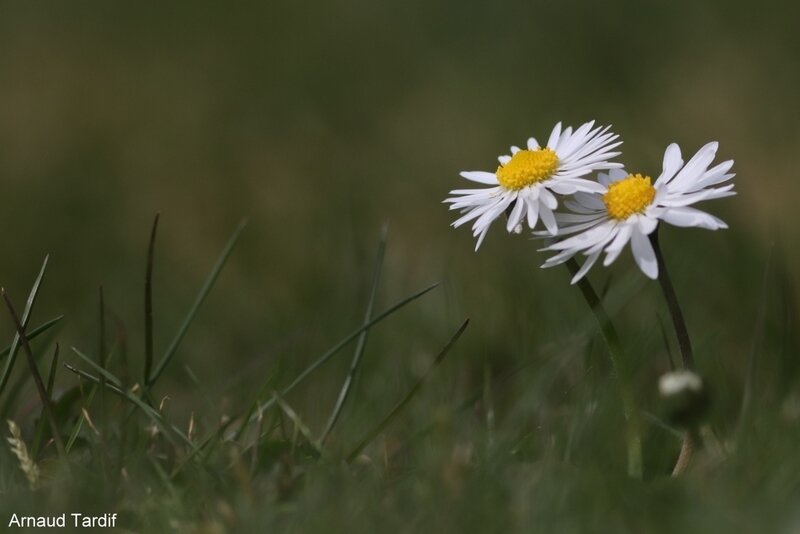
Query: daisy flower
629 208
524 183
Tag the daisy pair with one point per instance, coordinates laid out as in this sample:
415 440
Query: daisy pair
605 215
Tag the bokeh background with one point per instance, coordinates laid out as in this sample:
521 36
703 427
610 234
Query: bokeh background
322 121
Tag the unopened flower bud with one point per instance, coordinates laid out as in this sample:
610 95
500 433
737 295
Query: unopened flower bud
685 398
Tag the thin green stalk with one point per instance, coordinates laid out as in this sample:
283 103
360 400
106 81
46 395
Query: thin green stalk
360 345
410 395
101 351
201 296
691 438
758 336
622 371
26 315
148 302
37 378
37 441
170 431
684 343
341 344
12 392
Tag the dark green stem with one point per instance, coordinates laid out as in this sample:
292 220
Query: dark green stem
691 439
621 370
675 312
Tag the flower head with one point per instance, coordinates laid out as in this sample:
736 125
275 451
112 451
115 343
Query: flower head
630 206
524 183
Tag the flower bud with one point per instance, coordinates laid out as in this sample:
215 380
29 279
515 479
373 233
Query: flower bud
685 398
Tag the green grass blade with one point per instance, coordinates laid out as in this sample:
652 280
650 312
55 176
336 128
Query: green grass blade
360 344
248 418
410 395
755 344
12 392
26 315
76 429
148 301
339 346
299 425
42 421
104 374
165 427
36 332
201 296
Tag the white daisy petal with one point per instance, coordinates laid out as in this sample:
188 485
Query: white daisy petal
646 225
672 163
623 235
547 198
696 167
563 139
586 186
533 214
577 207
615 175
644 254
585 267
554 136
558 259
576 141
586 239
587 200
691 217
548 219
576 217
480 176
715 175
516 215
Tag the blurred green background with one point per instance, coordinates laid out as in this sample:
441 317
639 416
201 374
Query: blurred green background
321 121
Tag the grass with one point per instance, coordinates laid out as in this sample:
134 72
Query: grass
315 376
538 446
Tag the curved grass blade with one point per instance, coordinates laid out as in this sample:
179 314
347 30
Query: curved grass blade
745 410
26 315
209 443
248 418
76 429
88 402
165 427
148 301
36 332
201 296
360 344
42 421
339 346
299 425
410 395
104 374
13 389
621 369
47 406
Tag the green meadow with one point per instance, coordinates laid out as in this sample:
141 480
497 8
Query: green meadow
225 254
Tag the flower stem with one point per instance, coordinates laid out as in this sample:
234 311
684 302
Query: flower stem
690 442
621 369
675 312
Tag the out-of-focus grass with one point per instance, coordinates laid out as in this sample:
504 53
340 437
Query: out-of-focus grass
322 122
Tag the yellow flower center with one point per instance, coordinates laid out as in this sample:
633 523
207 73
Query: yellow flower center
527 167
630 195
